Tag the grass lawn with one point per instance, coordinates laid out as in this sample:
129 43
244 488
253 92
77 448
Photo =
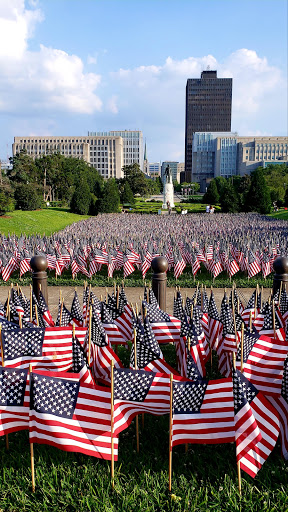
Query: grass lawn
282 214
38 222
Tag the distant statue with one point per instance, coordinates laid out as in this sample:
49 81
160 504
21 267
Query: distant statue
168 190
168 174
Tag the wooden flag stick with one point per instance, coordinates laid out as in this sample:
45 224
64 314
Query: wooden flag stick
273 317
250 321
89 335
238 463
31 304
136 368
242 346
170 433
112 424
36 314
61 312
32 446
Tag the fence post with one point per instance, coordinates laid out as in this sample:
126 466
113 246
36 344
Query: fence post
280 266
39 265
159 280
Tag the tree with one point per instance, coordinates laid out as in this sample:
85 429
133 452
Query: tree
127 194
212 195
136 179
28 197
81 199
258 199
24 169
110 201
7 203
229 200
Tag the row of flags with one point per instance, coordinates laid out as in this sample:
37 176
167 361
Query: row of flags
67 386
227 243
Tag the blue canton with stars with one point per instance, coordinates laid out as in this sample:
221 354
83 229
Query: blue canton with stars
243 391
12 386
188 396
249 339
132 385
53 395
22 342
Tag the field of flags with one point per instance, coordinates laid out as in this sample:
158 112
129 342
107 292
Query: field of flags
62 379
228 243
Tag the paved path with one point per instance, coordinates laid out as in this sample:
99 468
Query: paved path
133 295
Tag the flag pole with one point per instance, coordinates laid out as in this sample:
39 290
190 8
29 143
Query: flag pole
31 306
170 434
112 424
273 318
242 346
36 314
136 368
3 364
31 444
238 462
61 312
89 335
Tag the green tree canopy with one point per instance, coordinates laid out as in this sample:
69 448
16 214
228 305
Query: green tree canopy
258 199
136 179
7 203
212 195
24 169
229 199
81 199
127 194
110 201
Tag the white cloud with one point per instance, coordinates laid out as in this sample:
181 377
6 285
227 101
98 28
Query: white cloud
49 78
156 96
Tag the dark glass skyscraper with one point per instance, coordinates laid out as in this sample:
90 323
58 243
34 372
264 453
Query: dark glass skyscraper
208 109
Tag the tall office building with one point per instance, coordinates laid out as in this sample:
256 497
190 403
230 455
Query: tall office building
132 145
208 109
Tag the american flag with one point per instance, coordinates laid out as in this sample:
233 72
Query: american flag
263 362
124 322
250 308
79 362
178 305
64 317
213 322
76 311
14 400
44 310
102 353
166 328
253 264
138 391
70 415
247 433
149 355
272 324
280 403
115 336
50 348
203 412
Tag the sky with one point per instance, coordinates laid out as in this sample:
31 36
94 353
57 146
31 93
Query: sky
72 66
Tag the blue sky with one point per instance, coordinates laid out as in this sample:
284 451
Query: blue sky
72 66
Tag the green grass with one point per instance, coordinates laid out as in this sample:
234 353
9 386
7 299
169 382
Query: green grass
204 479
42 222
282 214
186 280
